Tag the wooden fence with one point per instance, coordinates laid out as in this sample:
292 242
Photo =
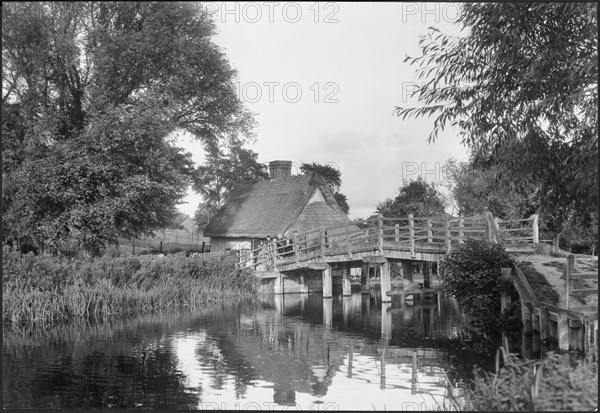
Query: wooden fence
383 233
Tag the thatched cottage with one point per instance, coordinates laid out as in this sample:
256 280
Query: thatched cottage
279 206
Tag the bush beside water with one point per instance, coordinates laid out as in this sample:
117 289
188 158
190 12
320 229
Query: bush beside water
472 274
49 289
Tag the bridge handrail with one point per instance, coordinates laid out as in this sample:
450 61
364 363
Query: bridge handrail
439 230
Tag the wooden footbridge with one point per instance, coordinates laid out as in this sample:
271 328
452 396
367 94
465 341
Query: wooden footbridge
382 241
288 263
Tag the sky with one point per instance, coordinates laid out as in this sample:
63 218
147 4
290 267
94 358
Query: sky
323 80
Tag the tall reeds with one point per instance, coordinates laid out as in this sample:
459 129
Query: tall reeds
47 289
551 383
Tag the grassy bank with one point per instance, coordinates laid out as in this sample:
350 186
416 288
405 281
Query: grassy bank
46 289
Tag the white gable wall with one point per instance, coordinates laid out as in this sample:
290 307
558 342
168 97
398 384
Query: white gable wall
317 197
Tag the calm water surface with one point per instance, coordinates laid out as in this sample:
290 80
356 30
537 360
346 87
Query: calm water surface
301 351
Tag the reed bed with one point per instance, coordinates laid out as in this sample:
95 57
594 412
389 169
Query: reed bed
553 383
47 289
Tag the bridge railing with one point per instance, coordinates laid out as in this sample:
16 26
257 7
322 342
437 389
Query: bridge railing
381 232
518 230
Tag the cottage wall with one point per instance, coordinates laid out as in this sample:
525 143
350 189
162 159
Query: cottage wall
222 244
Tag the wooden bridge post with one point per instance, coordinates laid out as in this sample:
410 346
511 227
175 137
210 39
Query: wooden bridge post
350 358
411 234
544 320
386 322
327 282
429 231
385 282
413 380
380 233
562 327
274 253
278 284
570 271
535 229
295 247
426 270
382 369
346 285
447 237
364 278
461 233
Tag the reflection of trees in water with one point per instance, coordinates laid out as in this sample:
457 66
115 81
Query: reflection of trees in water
118 364
122 364
111 378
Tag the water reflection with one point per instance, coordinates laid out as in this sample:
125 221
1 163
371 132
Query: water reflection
350 352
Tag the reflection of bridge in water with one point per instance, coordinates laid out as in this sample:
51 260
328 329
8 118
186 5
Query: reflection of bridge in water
302 343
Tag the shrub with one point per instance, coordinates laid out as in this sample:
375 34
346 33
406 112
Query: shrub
472 274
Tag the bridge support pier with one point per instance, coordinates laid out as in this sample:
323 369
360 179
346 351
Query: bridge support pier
303 284
346 286
364 278
385 282
327 282
278 284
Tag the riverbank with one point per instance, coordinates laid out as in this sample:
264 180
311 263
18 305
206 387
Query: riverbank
48 289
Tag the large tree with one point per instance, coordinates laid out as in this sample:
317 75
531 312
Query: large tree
92 93
332 177
415 197
522 88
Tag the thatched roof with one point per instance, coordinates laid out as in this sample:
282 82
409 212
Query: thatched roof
273 207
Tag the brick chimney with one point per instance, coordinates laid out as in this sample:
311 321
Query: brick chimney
280 169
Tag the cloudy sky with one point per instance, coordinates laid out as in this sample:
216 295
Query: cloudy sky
323 80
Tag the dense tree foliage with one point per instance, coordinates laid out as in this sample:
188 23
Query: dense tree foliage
415 197
92 93
475 190
222 171
522 88
332 177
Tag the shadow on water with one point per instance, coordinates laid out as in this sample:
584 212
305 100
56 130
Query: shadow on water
302 350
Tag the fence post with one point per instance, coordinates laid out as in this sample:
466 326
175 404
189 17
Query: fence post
295 246
429 231
536 229
411 234
461 227
447 233
274 252
570 270
397 232
380 233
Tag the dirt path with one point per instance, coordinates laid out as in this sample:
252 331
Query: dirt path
554 271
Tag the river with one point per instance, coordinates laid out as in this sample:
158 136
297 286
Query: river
292 351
